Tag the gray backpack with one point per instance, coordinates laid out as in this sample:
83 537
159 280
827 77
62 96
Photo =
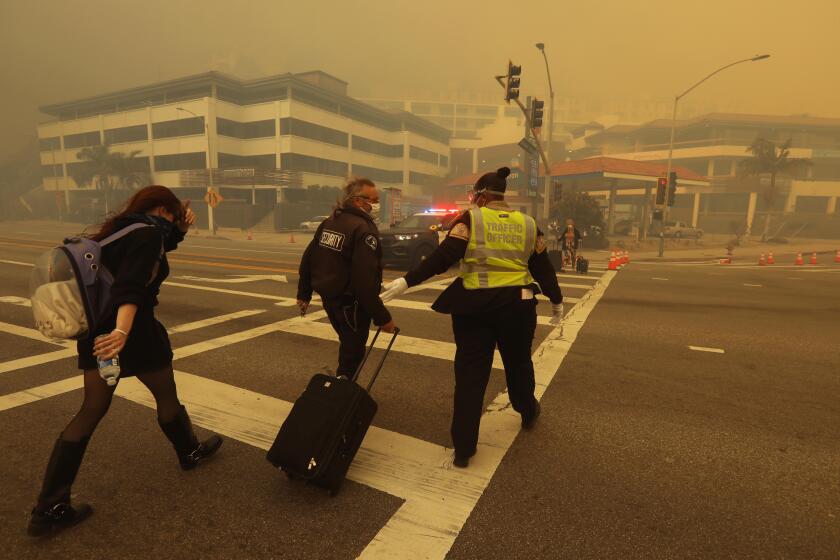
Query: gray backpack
71 289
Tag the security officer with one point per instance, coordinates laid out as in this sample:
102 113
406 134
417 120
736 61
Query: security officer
503 265
343 263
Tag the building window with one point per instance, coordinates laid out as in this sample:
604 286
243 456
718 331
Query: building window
52 171
370 116
178 162
314 99
416 178
139 133
422 155
812 204
377 148
48 144
421 108
513 112
486 110
82 140
246 130
178 127
721 167
443 161
303 129
378 175
310 164
263 161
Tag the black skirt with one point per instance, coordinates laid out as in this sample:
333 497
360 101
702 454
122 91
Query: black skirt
147 349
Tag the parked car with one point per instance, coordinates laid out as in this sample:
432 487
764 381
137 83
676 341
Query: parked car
313 223
681 229
415 238
624 227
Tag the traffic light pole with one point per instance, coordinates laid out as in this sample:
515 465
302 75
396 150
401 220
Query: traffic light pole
524 110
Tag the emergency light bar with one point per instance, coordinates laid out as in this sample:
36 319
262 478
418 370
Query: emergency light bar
440 211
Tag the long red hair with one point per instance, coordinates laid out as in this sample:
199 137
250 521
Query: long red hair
144 200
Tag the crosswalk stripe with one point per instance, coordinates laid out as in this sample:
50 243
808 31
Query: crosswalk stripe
283 301
37 360
213 321
33 334
35 394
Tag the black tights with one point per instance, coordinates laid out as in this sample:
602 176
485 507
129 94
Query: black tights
98 395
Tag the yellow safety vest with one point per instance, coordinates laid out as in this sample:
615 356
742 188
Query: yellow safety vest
501 242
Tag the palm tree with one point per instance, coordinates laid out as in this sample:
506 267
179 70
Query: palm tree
769 159
108 170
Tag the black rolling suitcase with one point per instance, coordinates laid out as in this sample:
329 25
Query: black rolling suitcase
581 265
326 426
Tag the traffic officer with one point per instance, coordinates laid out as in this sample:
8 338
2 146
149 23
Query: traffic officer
503 265
343 264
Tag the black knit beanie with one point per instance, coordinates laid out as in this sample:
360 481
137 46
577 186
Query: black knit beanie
494 182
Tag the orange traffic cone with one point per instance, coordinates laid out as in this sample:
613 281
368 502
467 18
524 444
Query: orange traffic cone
837 257
726 260
250 237
814 258
613 264
799 260
292 237
770 258
627 257
761 261
624 257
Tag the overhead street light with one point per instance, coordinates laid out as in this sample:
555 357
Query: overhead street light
547 187
674 123
211 224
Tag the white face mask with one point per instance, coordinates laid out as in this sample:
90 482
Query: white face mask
374 210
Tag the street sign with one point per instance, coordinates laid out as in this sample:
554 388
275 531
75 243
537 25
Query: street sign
532 169
528 145
213 198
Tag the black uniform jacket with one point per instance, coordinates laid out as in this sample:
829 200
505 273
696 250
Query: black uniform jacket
344 259
458 300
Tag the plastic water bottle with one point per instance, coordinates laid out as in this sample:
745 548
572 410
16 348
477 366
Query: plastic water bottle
109 370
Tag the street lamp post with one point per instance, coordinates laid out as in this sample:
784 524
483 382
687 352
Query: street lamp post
211 225
547 192
674 125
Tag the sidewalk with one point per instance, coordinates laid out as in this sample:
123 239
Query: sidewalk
749 250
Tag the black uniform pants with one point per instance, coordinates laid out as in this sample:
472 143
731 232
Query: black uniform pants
511 328
352 324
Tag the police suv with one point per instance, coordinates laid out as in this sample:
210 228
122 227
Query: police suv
408 243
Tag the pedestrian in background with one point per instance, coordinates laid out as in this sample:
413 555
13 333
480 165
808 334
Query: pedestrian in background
343 264
139 266
504 264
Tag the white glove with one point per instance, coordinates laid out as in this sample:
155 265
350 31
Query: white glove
556 314
393 289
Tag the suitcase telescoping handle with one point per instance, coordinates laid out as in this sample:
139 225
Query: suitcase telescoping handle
381 362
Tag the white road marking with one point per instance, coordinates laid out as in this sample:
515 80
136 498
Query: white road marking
35 394
707 349
18 263
438 498
279 250
30 361
406 344
213 321
26 332
657 278
16 300
436 285
579 277
282 301
239 279
431 518
753 285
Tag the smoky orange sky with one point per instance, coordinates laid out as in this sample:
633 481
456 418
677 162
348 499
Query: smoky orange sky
59 50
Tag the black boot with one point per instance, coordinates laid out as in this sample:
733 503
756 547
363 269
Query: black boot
531 419
190 451
54 511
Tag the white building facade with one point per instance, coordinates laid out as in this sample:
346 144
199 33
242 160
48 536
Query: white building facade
300 123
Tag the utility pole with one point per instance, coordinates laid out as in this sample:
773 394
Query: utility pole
547 192
211 224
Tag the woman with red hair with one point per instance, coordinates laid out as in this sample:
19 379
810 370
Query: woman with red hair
139 266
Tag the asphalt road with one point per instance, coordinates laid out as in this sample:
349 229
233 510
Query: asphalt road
647 448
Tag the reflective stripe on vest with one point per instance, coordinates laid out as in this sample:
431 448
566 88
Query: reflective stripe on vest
501 242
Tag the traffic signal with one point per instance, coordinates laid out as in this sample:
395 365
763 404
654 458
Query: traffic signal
661 186
657 215
672 188
512 82
537 113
